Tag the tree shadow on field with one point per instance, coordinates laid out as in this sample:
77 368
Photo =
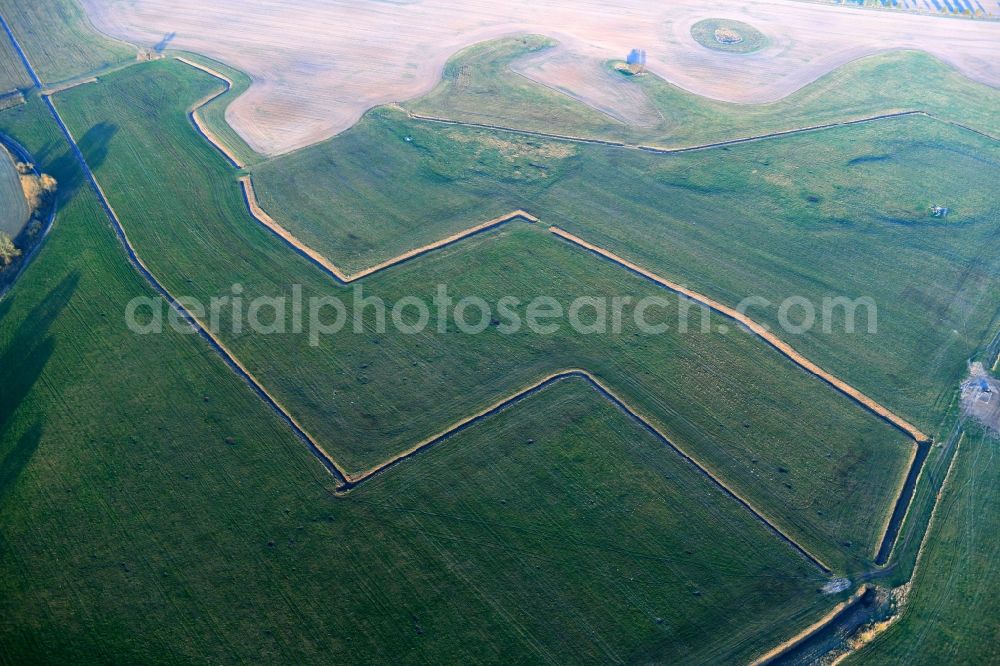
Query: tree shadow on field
163 43
17 459
66 168
21 364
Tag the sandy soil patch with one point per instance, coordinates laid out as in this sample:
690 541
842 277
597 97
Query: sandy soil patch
317 67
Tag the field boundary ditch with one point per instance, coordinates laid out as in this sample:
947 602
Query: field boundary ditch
346 481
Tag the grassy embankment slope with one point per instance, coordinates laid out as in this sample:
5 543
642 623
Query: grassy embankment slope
213 114
477 80
726 398
124 507
843 212
479 87
950 613
128 466
60 40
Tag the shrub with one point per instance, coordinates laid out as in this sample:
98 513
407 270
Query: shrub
8 251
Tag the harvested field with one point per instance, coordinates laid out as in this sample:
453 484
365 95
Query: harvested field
881 84
317 69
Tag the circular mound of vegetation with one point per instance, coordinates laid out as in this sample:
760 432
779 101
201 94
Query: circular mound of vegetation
729 36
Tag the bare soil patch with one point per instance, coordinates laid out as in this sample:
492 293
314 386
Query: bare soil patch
981 397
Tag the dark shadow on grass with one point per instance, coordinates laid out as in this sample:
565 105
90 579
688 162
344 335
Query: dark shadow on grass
44 154
65 168
21 364
17 459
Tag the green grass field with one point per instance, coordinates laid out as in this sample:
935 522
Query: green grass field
13 206
727 398
153 508
490 93
842 212
948 617
167 514
60 40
